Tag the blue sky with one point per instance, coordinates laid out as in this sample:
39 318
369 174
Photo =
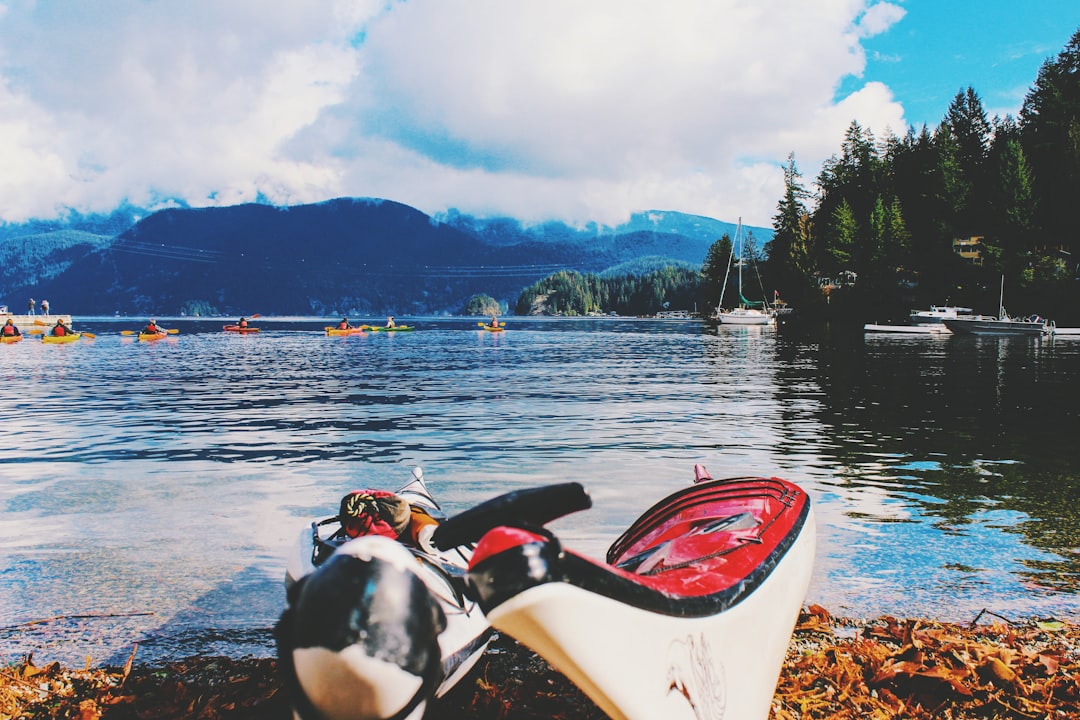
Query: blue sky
939 48
577 110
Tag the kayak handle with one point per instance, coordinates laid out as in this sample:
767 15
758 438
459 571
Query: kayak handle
532 507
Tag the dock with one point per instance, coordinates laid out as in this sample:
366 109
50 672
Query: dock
29 321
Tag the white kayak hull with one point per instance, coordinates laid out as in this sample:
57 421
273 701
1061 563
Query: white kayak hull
689 617
641 665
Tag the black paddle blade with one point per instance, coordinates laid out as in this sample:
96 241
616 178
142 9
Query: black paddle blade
521 508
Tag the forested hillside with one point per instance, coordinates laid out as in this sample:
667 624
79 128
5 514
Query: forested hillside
345 256
891 209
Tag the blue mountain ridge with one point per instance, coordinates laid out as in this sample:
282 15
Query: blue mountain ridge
357 256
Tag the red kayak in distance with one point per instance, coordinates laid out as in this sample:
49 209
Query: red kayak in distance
241 330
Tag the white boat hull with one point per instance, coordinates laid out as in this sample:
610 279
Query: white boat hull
965 326
745 317
925 329
641 665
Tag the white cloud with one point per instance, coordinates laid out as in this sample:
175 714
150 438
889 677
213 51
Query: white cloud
879 17
537 109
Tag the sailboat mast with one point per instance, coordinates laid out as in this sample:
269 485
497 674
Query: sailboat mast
727 271
742 242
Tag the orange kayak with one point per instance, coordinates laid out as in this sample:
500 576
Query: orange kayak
150 337
241 330
333 331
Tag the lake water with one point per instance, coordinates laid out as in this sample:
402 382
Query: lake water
150 492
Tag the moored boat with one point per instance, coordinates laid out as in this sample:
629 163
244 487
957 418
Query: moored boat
923 329
938 313
748 312
1032 326
691 615
375 627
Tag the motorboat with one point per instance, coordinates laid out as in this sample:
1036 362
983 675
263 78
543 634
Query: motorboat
1002 324
938 313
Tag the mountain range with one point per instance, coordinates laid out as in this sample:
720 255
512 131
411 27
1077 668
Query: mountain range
355 256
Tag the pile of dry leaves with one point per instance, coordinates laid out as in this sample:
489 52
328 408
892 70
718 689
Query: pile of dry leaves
835 668
918 669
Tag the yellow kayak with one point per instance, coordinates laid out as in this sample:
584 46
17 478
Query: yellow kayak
150 337
333 331
10 338
61 338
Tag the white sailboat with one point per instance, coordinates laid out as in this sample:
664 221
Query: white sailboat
746 313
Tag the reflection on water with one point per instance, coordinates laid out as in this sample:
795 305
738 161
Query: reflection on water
156 488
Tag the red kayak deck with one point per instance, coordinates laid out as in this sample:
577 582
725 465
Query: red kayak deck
705 546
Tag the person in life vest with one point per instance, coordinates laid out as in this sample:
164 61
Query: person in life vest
390 322
60 329
10 329
378 512
344 324
152 328
494 321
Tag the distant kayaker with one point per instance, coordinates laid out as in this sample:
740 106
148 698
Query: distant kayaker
344 324
390 322
10 329
45 307
151 328
242 323
60 329
494 321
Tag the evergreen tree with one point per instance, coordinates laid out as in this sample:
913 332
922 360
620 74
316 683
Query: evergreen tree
714 270
788 265
1050 130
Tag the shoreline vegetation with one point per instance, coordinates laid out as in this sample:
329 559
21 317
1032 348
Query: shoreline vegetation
835 668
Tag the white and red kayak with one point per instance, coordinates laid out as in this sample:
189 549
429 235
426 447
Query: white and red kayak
375 627
689 617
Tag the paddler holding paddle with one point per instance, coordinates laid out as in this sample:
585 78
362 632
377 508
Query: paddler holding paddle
60 329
